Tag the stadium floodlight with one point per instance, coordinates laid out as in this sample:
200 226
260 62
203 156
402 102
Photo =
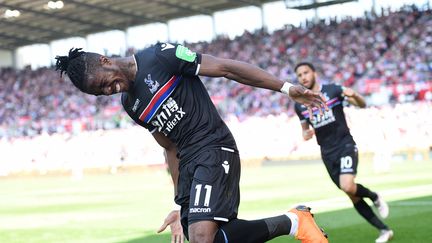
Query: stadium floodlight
55 4
311 4
9 13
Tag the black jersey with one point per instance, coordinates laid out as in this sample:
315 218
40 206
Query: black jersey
168 97
331 129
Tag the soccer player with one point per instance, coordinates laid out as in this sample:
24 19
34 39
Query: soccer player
161 91
338 149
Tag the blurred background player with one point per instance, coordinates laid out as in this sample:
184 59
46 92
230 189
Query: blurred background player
161 91
338 149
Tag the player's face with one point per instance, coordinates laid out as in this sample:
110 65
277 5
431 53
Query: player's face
306 76
107 79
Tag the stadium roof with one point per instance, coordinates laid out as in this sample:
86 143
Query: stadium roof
37 23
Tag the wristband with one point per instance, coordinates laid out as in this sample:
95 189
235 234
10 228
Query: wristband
285 88
176 207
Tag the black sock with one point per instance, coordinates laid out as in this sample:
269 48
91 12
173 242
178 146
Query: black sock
277 226
365 192
253 231
366 211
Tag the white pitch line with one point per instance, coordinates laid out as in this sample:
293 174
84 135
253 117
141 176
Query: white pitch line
412 203
331 204
393 196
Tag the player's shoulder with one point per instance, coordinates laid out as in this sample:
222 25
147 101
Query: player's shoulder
145 55
158 47
332 88
176 50
169 47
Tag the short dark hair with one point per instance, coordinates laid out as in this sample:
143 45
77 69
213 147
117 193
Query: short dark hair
310 65
77 65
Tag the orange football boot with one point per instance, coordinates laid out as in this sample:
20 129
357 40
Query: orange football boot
308 231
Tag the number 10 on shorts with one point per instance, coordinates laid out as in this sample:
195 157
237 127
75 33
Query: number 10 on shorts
346 164
208 189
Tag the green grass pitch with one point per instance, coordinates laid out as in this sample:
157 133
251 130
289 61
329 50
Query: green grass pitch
129 207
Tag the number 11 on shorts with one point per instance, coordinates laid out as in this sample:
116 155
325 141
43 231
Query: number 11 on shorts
208 189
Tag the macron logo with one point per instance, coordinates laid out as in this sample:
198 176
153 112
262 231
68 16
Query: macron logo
225 165
166 46
135 106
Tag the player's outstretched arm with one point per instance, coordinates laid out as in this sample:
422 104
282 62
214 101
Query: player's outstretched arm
248 74
241 72
354 97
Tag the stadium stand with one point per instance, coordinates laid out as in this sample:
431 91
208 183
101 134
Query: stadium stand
405 70
394 58
389 63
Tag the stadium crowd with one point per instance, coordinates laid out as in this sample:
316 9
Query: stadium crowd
386 54
405 70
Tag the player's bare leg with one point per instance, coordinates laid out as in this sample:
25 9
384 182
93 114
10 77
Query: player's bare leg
202 232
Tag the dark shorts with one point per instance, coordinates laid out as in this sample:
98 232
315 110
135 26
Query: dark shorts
208 187
343 160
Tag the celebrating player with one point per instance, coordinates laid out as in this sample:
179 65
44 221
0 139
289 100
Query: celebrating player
338 149
162 92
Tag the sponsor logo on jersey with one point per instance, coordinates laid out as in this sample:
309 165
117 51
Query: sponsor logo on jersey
226 166
166 46
168 117
136 104
152 84
326 118
322 120
330 103
200 210
185 54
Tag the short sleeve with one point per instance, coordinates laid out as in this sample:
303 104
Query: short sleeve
339 91
178 59
299 113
